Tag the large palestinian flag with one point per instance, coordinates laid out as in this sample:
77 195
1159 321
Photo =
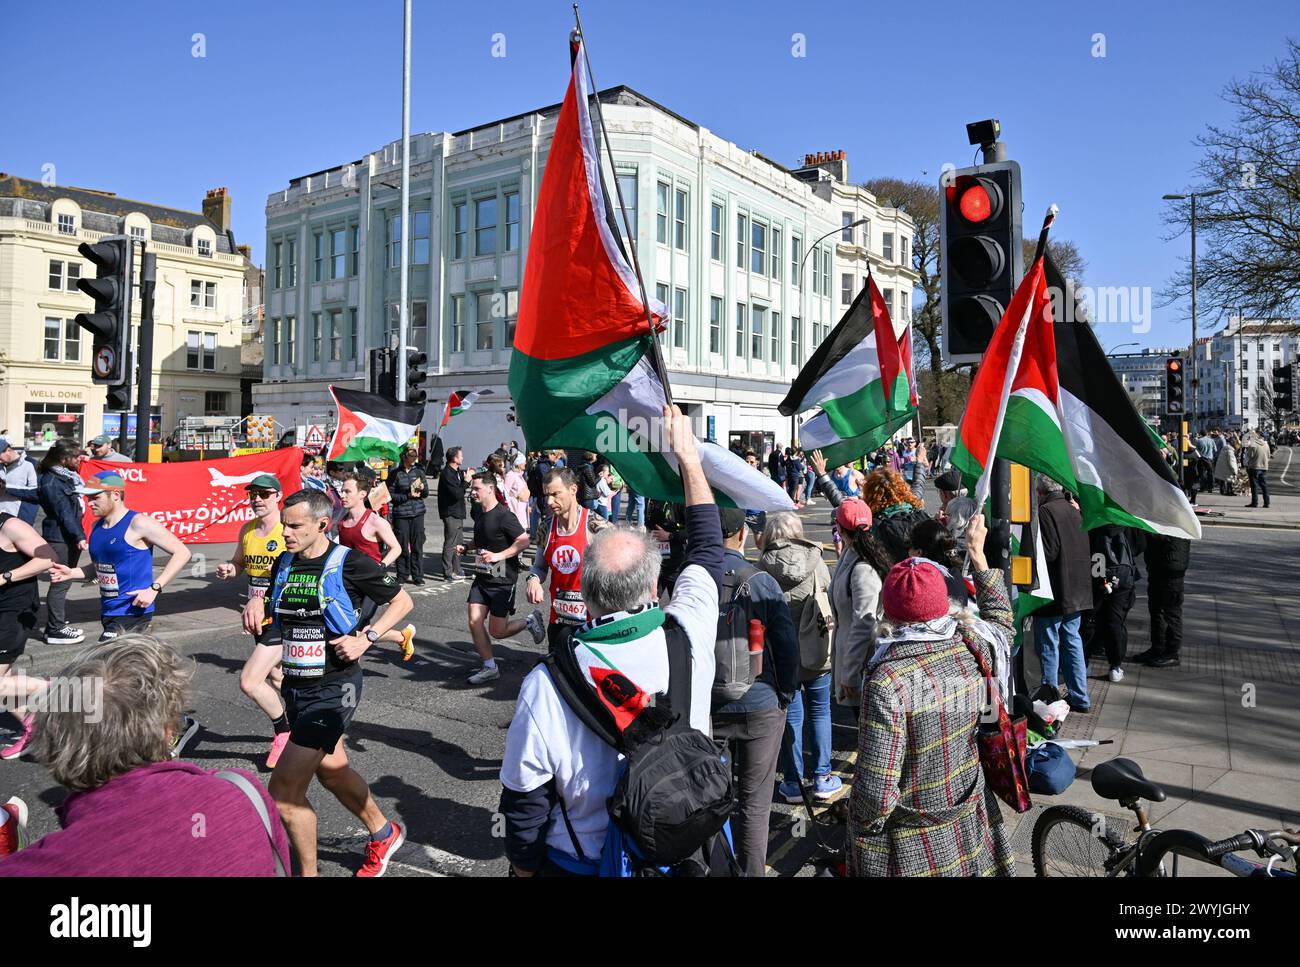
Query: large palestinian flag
861 378
581 373
372 426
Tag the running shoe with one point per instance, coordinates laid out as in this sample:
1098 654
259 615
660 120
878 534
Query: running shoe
827 786
67 635
537 627
378 852
1116 675
408 642
790 791
485 675
14 750
13 826
277 746
189 727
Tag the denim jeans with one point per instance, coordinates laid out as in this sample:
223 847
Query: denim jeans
635 505
1059 647
615 503
817 694
1258 485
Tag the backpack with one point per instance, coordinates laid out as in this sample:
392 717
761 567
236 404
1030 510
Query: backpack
536 479
895 530
733 674
816 628
669 810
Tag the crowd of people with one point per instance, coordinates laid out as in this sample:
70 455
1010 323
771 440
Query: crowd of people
669 652
1229 462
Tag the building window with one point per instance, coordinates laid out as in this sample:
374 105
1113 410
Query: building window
67 225
796 259
866 233
56 274
740 330
275 342
354 343
458 323
394 241
74 276
903 258
355 247
201 351
846 233
758 248
137 233
826 271
215 402
512 314
53 330
485 325
888 296
293 263
679 221
338 253
336 336
776 254
205 248
776 337
627 188
887 246
715 325
196 293
661 213
846 288
796 340
485 226
209 295
904 306
276 272
757 316
318 262
680 315
742 227
419 321
316 338
661 293
459 227
512 221
420 238
291 341
715 232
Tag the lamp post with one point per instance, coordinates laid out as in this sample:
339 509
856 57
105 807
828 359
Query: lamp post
803 288
1193 195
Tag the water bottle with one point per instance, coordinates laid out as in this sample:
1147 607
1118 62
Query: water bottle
756 635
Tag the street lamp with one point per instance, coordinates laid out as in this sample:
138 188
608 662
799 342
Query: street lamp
1115 349
1193 196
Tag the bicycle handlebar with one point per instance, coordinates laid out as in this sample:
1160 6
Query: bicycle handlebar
1252 839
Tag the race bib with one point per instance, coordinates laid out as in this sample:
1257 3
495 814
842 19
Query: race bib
569 608
304 655
107 576
257 587
665 548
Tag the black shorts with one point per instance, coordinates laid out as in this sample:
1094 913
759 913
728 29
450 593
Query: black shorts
124 625
320 712
269 635
499 598
15 628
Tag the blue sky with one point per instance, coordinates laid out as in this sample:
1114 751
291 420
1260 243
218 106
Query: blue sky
287 88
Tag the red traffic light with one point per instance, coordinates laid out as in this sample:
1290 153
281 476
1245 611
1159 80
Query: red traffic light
976 200
1174 366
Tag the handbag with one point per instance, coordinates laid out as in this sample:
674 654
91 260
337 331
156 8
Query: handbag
1002 745
1051 770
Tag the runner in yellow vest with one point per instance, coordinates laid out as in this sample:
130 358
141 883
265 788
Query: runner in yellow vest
260 544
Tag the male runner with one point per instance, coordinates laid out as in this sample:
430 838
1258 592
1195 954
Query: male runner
121 550
24 554
261 541
562 553
361 529
498 537
314 597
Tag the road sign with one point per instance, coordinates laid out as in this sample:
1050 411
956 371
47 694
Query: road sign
315 436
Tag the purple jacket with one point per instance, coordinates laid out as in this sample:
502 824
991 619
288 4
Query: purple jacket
164 819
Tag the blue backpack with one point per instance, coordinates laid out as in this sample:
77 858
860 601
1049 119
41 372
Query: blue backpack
335 604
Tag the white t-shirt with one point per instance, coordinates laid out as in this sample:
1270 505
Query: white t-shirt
546 739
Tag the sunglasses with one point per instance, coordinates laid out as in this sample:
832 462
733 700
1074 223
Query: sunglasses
261 494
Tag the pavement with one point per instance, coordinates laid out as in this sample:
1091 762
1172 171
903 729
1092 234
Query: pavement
1283 511
1219 732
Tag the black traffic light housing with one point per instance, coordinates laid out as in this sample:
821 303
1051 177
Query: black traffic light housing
1175 385
416 361
981 254
119 398
1283 388
109 324
383 374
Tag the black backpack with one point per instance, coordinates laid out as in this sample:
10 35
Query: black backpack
675 793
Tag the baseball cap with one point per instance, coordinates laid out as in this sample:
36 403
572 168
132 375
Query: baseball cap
263 481
100 441
104 480
853 514
733 519
949 480
4 444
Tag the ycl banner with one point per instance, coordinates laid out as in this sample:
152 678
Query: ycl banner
200 501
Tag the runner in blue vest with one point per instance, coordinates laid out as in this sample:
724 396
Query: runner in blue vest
316 592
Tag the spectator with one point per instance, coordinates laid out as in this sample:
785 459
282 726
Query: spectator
855 598
132 810
102 448
62 530
949 486
1113 592
1056 624
1255 454
960 511
916 465
517 492
588 483
1205 454
1225 470
776 465
604 492
21 497
895 510
1167 560
798 568
409 488
907 815
794 475
451 510
313 472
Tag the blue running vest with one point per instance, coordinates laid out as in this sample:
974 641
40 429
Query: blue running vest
120 568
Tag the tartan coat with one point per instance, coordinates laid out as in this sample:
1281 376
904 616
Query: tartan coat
919 805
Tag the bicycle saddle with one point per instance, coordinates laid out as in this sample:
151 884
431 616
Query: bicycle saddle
1122 779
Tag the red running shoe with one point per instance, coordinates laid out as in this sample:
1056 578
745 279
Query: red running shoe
378 852
16 749
13 831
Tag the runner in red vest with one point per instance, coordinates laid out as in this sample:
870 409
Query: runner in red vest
362 530
562 554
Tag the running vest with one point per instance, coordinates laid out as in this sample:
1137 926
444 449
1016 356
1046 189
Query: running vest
19 595
564 559
355 538
260 555
120 568
334 607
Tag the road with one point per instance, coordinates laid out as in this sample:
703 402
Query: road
430 746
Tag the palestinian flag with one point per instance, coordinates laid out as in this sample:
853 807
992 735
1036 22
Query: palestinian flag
371 426
583 372
1025 601
458 403
861 378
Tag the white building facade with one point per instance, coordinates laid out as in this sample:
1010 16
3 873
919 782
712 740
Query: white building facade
1236 366
723 236
1143 376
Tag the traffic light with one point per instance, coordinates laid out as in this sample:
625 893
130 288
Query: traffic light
1283 398
110 323
981 258
383 375
119 398
415 375
512 416
1174 380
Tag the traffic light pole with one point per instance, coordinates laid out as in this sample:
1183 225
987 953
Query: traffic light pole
144 386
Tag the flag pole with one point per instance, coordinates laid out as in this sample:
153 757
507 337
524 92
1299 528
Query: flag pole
985 482
655 353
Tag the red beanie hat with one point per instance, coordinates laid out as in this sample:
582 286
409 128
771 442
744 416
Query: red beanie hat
915 591
853 514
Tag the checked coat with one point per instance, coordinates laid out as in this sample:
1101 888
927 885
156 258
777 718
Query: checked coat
919 805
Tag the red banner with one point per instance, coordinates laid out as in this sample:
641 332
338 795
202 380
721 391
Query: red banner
200 501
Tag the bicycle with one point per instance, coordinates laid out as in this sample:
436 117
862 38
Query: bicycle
1071 841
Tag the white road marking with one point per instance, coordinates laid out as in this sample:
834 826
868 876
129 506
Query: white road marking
414 869
1289 454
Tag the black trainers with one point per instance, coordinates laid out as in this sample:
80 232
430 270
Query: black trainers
1144 657
1164 661
67 635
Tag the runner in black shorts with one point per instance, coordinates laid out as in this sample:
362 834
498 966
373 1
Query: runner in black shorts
315 593
499 538
23 555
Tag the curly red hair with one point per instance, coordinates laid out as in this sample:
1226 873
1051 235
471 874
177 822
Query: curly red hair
885 488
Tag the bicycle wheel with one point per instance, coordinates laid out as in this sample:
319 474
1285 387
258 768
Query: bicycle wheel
1067 843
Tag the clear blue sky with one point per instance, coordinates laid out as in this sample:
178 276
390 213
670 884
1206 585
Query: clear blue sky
287 88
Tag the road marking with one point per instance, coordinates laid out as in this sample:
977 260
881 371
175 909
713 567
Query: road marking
414 869
447 859
1289 454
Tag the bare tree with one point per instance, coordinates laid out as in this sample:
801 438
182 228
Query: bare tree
1064 253
1248 240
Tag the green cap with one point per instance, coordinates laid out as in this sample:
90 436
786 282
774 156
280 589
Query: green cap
263 481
